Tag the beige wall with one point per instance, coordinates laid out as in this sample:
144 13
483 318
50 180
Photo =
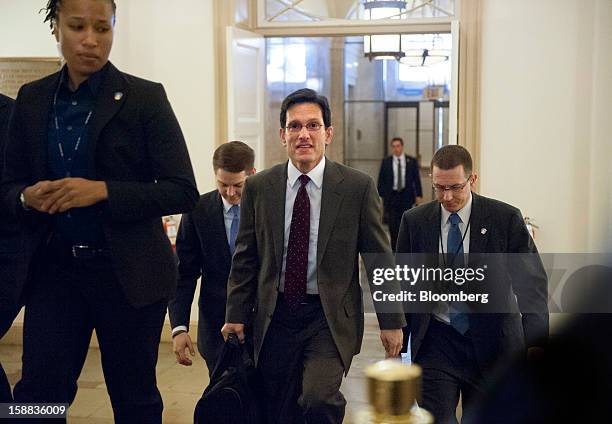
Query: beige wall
546 99
174 45
22 30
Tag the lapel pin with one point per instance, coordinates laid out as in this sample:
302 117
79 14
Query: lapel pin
483 231
118 95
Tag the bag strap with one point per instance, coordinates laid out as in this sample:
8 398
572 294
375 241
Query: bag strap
233 354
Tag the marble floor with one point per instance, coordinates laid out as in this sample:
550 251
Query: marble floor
181 386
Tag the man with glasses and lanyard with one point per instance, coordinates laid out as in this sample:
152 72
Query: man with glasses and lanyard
455 348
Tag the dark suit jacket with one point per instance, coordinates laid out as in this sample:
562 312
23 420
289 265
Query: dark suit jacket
203 250
493 334
412 181
137 147
350 224
12 271
7 223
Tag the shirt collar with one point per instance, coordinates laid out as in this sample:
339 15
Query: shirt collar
464 213
226 205
315 174
92 82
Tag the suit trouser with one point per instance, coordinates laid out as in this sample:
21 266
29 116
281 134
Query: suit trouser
6 320
73 297
10 261
449 367
210 339
300 367
395 206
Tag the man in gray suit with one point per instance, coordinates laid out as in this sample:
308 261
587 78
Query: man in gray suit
302 225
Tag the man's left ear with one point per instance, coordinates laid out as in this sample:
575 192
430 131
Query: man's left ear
474 178
329 134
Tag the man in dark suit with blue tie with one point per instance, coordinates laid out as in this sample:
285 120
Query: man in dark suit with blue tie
95 158
399 184
205 245
456 343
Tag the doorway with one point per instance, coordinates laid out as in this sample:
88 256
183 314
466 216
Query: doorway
371 100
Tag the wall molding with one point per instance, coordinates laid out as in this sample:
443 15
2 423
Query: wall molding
470 52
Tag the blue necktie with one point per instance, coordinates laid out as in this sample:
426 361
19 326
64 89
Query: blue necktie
235 210
454 242
454 250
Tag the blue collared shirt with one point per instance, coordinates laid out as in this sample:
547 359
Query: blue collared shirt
77 225
228 217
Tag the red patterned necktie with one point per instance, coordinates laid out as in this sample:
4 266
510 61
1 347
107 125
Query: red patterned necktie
296 270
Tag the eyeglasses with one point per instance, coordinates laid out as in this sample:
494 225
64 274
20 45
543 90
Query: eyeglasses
296 127
456 188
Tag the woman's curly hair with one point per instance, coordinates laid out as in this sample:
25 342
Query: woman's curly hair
53 7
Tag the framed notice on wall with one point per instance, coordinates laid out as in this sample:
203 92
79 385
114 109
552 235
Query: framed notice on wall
17 71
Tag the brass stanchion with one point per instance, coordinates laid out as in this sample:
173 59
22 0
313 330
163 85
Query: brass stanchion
393 388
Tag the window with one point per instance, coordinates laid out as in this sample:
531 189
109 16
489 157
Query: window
286 11
286 61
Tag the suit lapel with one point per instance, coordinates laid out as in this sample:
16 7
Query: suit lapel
479 231
39 126
407 162
331 198
217 218
276 212
111 97
431 231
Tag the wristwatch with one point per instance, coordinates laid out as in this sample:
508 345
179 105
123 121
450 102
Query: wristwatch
23 202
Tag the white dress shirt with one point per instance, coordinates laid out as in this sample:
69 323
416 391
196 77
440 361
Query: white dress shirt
441 310
402 161
314 188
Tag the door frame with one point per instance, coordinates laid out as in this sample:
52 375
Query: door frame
403 104
467 67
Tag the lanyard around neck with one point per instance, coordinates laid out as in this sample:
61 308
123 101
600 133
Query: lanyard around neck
69 163
467 228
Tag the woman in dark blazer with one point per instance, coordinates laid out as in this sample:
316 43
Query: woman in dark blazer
95 158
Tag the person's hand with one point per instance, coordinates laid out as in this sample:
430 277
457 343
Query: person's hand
35 195
392 341
69 193
182 343
237 329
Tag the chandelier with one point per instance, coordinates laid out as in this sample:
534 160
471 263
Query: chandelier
401 47
387 46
